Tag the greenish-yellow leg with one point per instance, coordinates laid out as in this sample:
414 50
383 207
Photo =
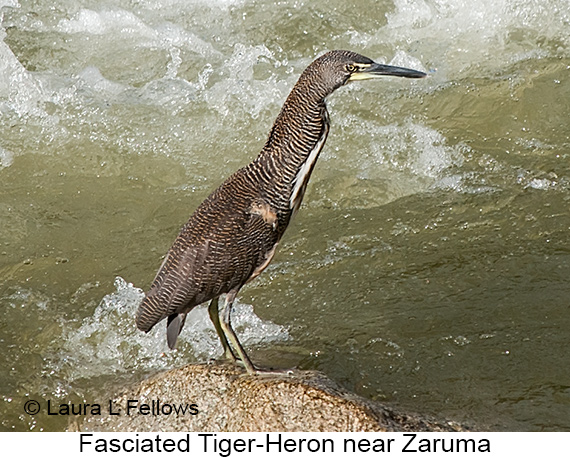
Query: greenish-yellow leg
230 334
215 318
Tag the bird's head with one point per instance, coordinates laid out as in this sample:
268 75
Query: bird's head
337 68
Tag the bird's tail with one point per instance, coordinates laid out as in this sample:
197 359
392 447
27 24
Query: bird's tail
174 327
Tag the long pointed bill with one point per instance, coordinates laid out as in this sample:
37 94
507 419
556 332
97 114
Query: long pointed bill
376 70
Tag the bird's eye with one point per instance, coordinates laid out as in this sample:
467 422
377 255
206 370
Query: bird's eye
351 68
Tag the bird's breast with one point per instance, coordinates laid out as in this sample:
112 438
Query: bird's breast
304 172
265 262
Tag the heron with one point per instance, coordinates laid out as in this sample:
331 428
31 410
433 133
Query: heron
233 234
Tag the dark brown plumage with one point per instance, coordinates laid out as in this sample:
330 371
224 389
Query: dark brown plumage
233 234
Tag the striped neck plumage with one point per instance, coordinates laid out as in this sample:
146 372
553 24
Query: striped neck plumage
296 139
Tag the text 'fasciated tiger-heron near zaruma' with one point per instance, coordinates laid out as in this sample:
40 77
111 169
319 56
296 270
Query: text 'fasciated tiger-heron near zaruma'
233 234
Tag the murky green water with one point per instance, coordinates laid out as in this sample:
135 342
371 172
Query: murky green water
429 265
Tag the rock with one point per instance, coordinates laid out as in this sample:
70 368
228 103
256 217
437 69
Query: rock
228 400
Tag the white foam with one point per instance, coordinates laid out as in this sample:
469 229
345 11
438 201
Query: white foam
8 3
172 35
460 35
153 5
240 88
92 22
91 76
403 59
432 155
126 24
108 341
6 158
409 148
20 92
544 181
541 184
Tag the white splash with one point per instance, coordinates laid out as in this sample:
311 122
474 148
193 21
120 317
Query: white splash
6 158
417 157
20 92
239 86
458 35
108 341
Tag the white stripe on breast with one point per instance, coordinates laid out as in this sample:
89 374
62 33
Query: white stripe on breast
303 173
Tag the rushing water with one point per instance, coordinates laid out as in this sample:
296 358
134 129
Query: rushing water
429 265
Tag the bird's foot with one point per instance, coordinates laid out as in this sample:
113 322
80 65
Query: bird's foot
229 355
271 373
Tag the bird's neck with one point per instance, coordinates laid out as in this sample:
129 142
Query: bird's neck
293 146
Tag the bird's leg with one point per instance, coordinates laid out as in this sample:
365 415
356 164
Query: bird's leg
215 318
230 334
